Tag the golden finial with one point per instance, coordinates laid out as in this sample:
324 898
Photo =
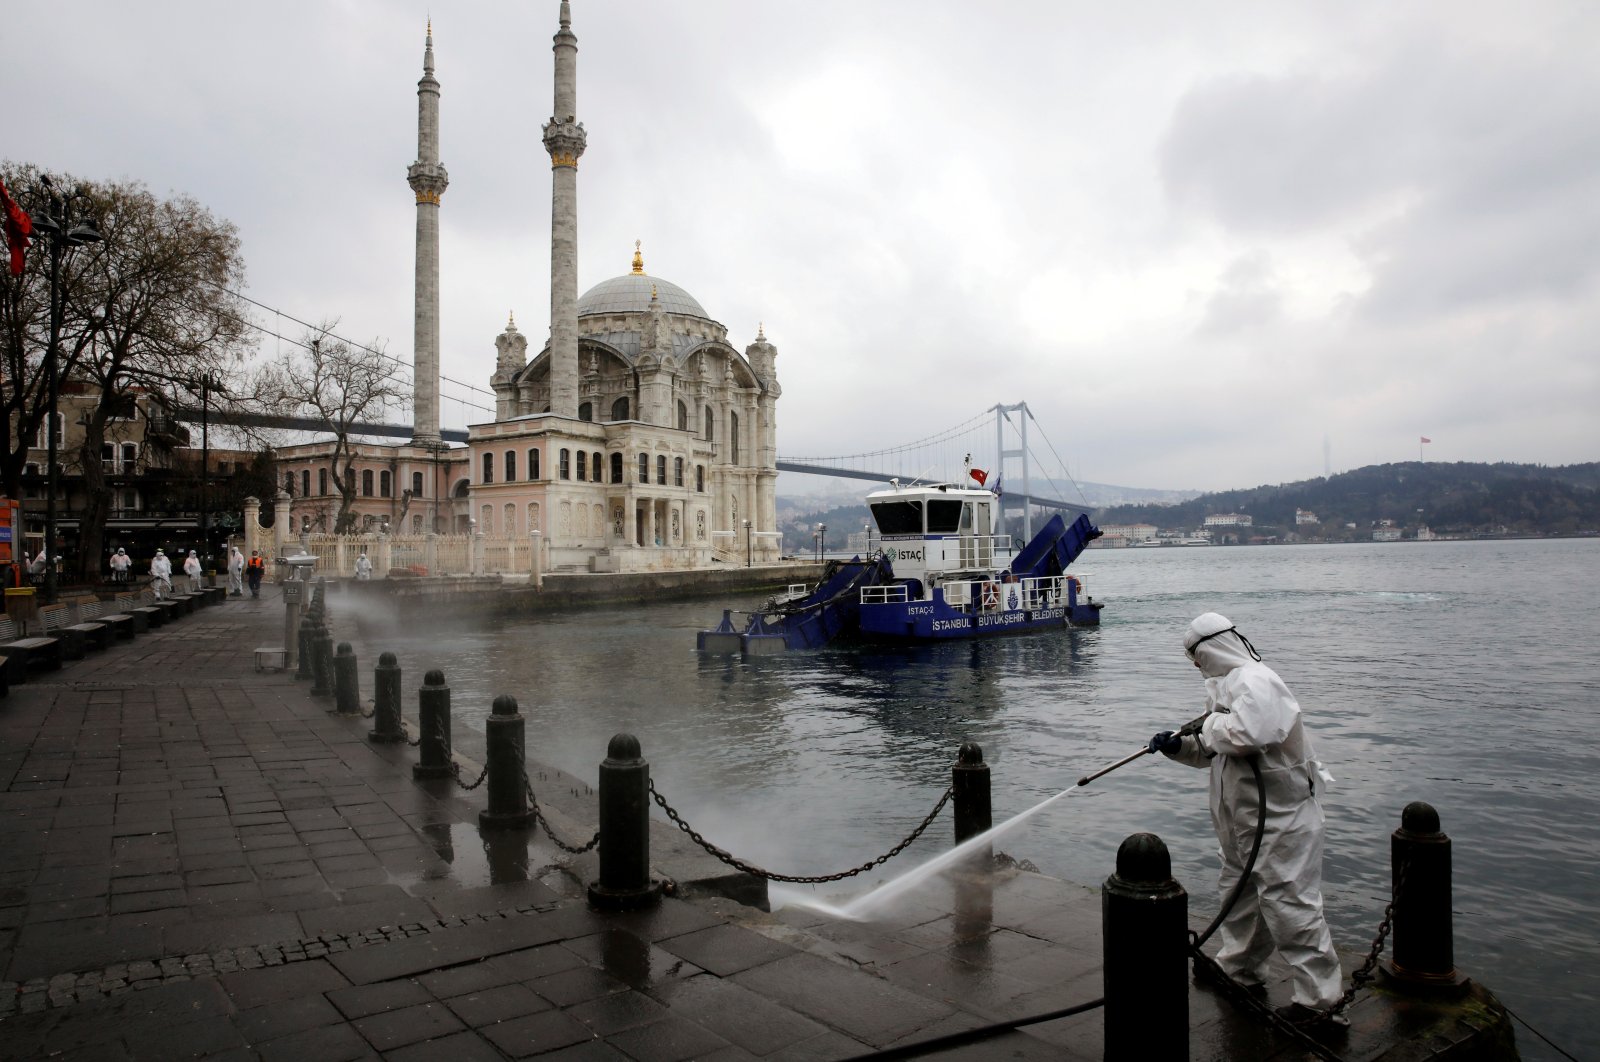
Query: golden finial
652 293
511 321
638 257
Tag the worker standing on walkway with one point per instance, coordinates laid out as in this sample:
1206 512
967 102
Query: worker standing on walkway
254 570
191 568
235 572
120 563
1251 713
161 574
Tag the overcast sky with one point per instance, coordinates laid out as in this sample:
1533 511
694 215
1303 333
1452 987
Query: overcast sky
1199 240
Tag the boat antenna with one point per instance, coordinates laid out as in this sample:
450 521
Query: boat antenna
923 474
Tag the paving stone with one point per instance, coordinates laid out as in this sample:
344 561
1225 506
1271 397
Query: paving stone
536 1034
359 1001
489 1005
465 1046
617 1011
472 977
408 1025
669 1040
444 948
254 988
740 1016
850 1000
331 1043
725 949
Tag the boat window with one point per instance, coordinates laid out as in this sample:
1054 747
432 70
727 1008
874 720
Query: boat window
944 516
898 518
966 518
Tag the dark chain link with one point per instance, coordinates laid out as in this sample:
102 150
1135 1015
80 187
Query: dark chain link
1359 979
813 879
456 769
539 816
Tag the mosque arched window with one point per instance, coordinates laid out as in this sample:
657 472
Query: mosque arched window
488 469
385 485
661 469
644 468
566 463
700 478
366 482
533 462
619 408
683 416
305 483
486 523
596 470
710 422
511 466
733 437
583 466
510 527
288 483
533 517
322 481
677 471
616 468
586 411
416 484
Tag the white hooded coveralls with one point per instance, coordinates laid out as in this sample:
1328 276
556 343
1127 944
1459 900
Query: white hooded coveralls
235 572
1251 711
191 568
161 574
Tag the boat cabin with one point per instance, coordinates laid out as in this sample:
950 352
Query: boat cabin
938 528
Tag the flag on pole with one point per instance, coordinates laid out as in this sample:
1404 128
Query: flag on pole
19 226
979 474
1426 439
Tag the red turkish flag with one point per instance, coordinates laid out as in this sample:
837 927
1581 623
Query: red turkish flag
19 226
980 475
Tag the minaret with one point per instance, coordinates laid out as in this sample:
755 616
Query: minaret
564 138
428 179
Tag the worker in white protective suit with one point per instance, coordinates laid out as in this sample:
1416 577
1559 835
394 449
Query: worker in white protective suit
1250 712
191 568
235 572
161 575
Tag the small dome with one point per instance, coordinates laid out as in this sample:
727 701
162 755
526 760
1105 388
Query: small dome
630 293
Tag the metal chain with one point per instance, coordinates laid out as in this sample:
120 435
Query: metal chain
1359 979
813 879
1208 968
539 816
456 773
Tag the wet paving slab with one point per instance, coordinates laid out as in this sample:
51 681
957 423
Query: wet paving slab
198 860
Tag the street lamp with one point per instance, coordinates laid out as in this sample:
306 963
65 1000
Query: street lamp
55 227
747 543
822 541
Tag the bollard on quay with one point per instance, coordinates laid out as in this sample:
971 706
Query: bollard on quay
1424 947
346 681
1144 917
433 716
308 644
969 792
503 735
386 729
322 662
624 800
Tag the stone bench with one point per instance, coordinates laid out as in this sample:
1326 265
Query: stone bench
24 653
152 616
117 624
270 656
76 638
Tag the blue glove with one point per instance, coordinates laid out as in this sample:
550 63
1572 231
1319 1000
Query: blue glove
1166 741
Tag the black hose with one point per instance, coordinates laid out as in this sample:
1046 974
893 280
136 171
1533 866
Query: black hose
1249 864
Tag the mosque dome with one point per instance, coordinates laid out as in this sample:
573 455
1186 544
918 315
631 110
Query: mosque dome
630 293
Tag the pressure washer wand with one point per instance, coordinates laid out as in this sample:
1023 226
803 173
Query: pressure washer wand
1191 727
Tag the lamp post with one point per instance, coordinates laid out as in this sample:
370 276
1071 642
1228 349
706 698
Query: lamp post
747 543
55 226
822 541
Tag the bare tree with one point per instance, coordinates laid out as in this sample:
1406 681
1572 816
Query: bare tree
340 384
149 312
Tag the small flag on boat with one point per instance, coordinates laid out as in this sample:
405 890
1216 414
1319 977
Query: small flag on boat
979 474
1426 439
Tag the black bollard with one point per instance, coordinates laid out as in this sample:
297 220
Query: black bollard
308 644
1424 947
1144 917
624 800
969 792
386 729
503 744
346 681
322 663
433 716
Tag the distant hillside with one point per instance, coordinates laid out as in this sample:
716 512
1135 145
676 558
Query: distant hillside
1459 498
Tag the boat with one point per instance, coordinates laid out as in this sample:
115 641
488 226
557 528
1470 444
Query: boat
941 573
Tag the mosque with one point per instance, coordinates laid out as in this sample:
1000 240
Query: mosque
637 439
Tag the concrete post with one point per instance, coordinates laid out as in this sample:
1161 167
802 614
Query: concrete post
536 576
386 729
281 532
384 560
252 524
1144 917
322 663
433 716
430 553
477 553
291 627
1424 947
307 642
969 793
624 800
346 681
503 734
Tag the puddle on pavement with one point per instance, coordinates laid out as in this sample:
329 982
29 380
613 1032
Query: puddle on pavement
496 857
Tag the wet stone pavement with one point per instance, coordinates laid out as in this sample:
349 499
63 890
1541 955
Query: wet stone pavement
198 860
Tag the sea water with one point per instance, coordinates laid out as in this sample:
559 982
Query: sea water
1460 673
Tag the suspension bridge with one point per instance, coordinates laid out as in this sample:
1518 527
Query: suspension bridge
1011 453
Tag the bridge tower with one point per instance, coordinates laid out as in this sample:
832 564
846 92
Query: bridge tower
1002 453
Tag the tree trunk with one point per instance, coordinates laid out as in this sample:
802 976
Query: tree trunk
96 503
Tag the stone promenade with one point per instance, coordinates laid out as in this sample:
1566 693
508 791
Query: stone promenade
198 860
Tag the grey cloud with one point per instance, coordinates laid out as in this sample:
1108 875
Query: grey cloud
1246 298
